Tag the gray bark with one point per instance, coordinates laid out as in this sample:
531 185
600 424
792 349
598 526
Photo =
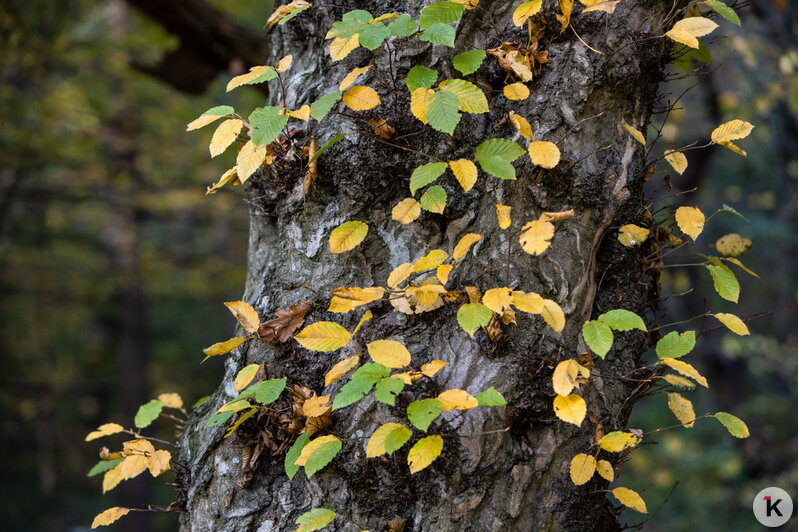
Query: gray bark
515 480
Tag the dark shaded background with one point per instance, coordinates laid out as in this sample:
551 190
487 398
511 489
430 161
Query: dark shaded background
114 264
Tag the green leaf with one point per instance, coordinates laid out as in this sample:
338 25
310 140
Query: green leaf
419 76
623 320
725 282
727 208
147 413
397 438
403 26
219 110
373 35
292 14
439 34
598 337
442 111
218 419
441 13
322 456
267 123
733 424
387 389
293 453
425 174
200 401
675 345
327 145
104 465
324 105
433 199
315 519
352 392
471 97
724 11
468 62
472 316
371 370
685 55
352 22
491 397
495 156
265 392
497 167
422 413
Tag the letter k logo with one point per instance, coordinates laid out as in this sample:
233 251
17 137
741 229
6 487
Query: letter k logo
772 506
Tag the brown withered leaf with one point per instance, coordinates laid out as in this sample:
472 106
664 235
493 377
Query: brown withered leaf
397 524
494 329
283 327
522 63
310 173
383 128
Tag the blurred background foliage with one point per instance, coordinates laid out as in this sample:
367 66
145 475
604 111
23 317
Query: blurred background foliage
114 264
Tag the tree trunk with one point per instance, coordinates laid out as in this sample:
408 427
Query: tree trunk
514 480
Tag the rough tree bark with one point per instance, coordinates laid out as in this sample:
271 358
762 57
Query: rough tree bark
515 480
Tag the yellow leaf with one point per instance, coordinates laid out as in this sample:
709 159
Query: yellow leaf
682 408
245 376
389 353
583 466
733 130
225 135
283 11
733 147
630 499
171 400
158 462
677 160
498 299
109 516
675 380
346 299
553 315
376 445
571 409
202 121
347 235
245 314
690 220
431 260
361 98
228 176
605 469
536 237
427 293
253 74
686 30
220 348
303 113
443 271
566 6
249 160
632 235
284 63
608 6
526 10
732 322
516 91
342 47
424 452
521 124
639 137
112 478
138 446
685 369
400 273
741 265
529 302
503 215
733 245
351 77
457 400
544 154
617 441
363 319
316 406
469 4
418 103
386 16
311 447
105 430
431 368
564 377
340 369
464 244
465 172
133 466
323 336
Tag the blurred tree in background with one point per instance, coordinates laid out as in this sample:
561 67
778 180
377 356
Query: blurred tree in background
113 263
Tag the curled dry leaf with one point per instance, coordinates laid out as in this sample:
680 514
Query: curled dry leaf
286 323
